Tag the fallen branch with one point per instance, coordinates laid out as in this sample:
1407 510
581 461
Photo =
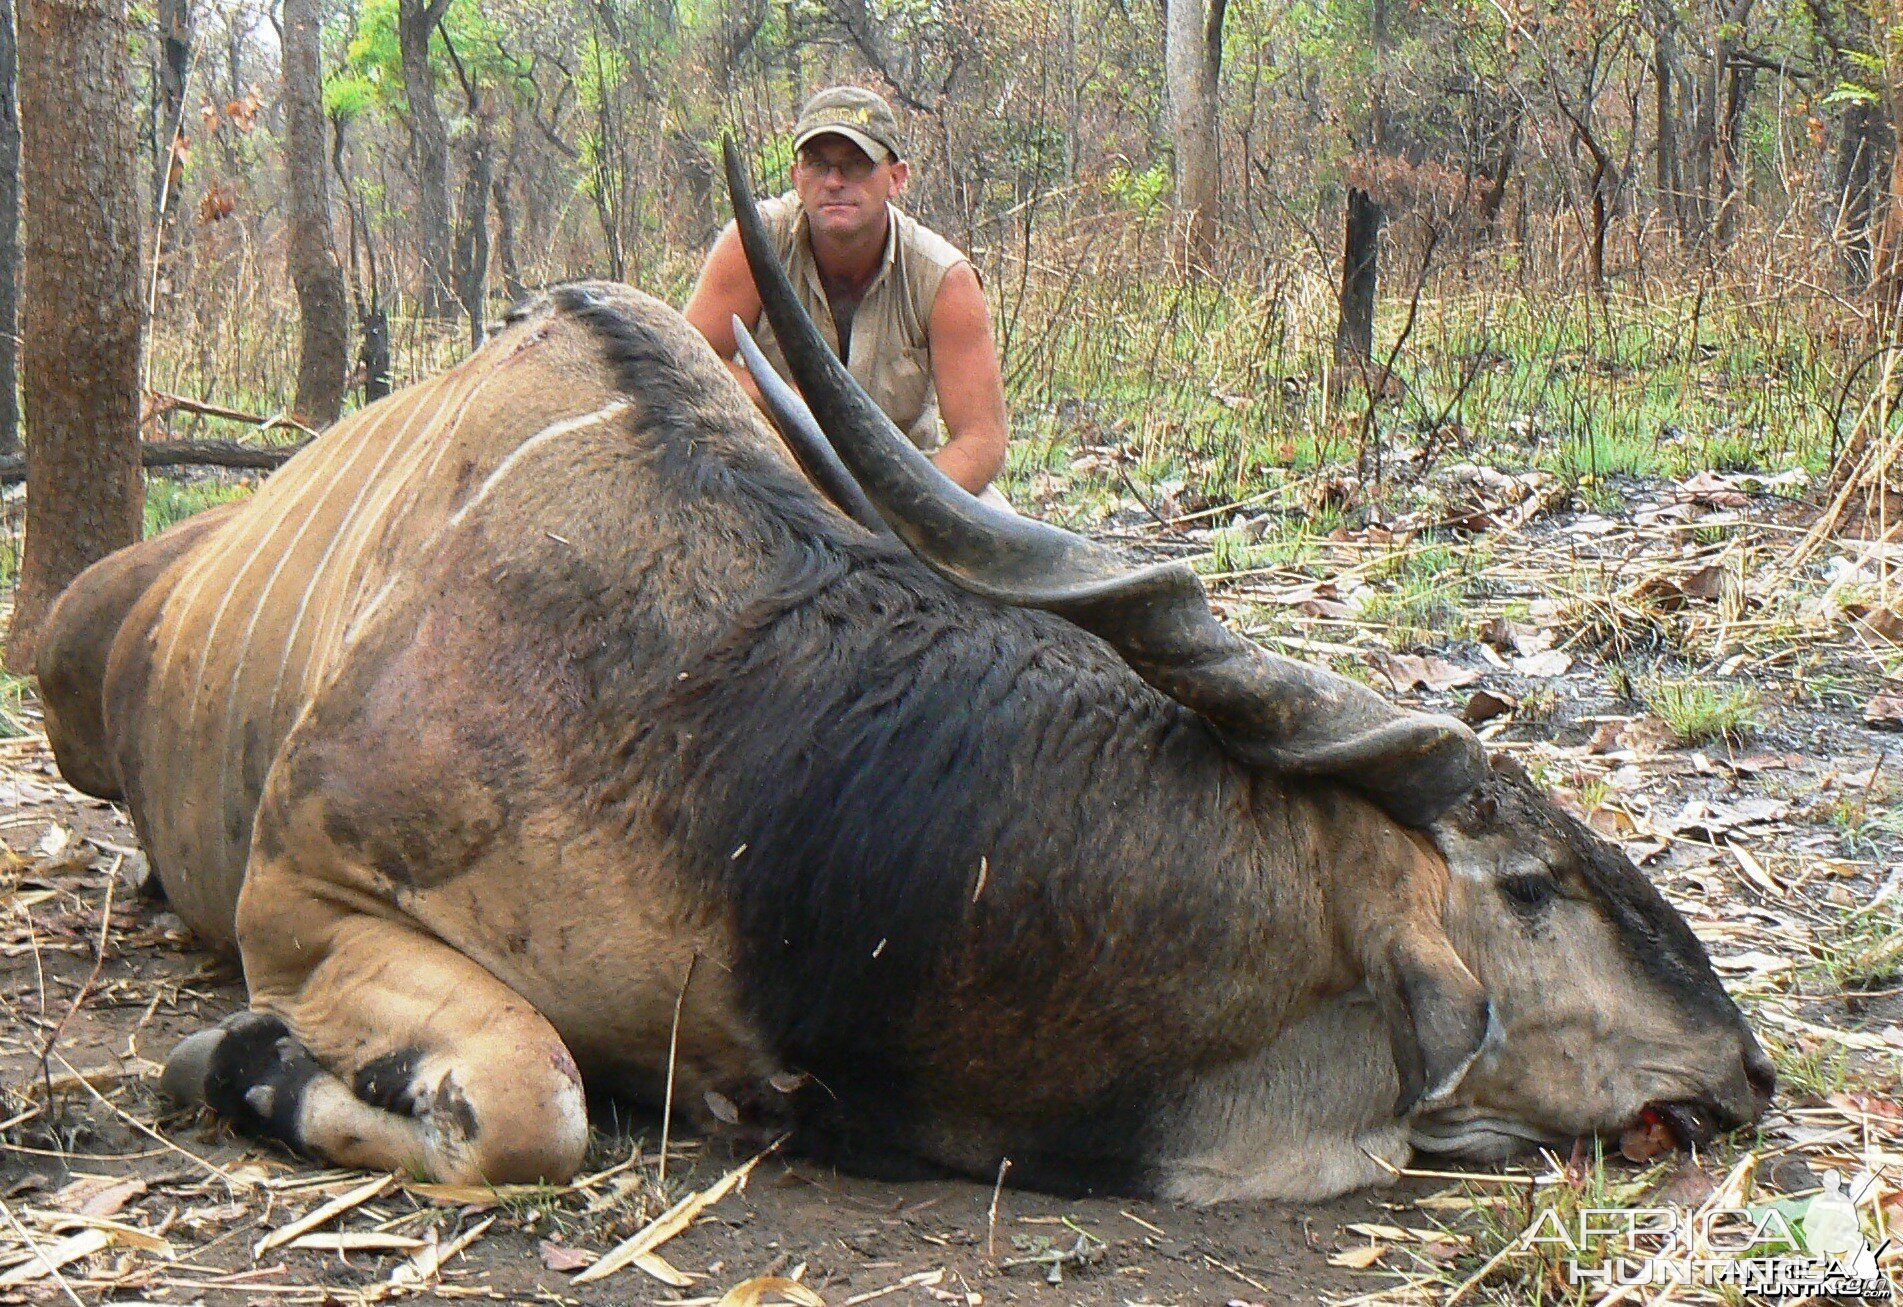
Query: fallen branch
162 402
185 453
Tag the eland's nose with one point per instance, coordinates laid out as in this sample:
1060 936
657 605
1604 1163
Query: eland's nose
1745 1094
1761 1075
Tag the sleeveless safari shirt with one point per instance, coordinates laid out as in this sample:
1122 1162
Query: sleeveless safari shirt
889 354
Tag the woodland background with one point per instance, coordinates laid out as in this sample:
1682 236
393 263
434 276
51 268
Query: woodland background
1243 235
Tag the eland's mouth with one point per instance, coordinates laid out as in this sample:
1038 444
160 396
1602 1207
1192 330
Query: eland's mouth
1660 1127
1693 1124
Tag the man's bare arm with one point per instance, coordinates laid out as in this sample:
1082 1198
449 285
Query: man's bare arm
970 387
726 289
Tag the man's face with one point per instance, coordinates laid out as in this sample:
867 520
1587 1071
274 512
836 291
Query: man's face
842 190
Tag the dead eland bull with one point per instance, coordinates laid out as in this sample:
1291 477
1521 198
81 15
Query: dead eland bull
523 690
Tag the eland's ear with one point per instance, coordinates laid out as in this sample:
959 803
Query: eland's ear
1437 1013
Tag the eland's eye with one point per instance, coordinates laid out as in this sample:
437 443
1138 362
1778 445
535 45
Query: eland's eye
1531 891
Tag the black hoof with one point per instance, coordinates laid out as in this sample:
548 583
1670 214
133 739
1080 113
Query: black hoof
249 1069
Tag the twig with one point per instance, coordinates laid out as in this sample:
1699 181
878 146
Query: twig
991 1216
1466 1286
1130 484
232 1183
673 1048
164 401
40 1253
158 227
99 960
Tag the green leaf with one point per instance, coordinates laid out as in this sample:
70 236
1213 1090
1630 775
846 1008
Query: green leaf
1851 93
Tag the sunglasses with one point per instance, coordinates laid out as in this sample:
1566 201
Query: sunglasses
854 169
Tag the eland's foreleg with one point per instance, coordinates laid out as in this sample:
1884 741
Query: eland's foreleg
391 1052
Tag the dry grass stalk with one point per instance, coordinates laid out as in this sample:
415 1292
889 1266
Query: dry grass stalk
671 1222
46 1258
428 1263
330 1211
1868 478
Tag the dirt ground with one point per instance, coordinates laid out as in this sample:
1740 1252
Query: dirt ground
1782 851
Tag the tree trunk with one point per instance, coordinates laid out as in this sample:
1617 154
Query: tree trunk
1702 163
429 149
1360 266
1192 61
1719 117
373 352
1861 151
82 317
1738 82
323 314
512 284
1886 276
1495 195
9 235
175 61
472 235
1666 173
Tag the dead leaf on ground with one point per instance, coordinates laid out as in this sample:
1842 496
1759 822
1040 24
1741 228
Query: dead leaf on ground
97 1195
242 113
1885 712
1330 609
220 202
1485 705
1710 819
1866 1105
1407 671
1605 738
1341 492
1752 963
1358 1258
1753 763
49 1259
770 1291
1613 823
1527 642
1711 490
1673 592
1569 801
1543 666
1647 736
1499 632
1490 500
1882 624
560 1257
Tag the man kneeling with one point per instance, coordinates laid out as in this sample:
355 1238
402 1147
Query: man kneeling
900 305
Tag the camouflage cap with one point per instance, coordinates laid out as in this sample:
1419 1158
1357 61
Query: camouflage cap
855 113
